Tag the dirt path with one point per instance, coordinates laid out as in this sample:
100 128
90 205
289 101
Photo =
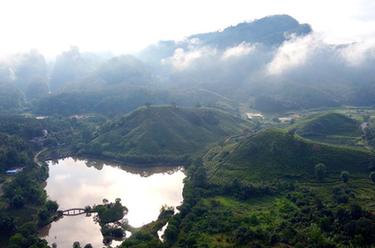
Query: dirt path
36 160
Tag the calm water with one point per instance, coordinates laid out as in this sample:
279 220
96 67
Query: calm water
78 183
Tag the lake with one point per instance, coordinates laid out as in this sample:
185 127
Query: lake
76 183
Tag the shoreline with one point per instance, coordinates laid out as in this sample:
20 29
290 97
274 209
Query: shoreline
61 154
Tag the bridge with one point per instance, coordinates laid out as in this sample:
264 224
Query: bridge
74 211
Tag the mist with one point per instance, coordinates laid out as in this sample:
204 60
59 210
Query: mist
271 64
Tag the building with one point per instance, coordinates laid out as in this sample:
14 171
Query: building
13 171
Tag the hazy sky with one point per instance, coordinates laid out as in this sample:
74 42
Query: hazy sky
127 26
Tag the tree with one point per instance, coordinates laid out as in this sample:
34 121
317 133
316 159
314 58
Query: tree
372 176
7 225
199 177
344 176
52 206
76 245
17 201
171 233
17 240
88 246
320 171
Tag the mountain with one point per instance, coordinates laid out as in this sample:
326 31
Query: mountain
163 134
275 153
270 31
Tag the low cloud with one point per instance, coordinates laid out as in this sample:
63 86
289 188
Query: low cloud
357 54
238 51
293 53
302 60
182 59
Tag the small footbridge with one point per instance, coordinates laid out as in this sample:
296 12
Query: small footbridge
74 211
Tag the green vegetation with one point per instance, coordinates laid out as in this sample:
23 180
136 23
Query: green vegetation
299 186
320 171
11 98
110 212
332 128
110 218
162 134
285 204
248 184
275 153
147 236
345 176
372 176
25 209
14 153
23 202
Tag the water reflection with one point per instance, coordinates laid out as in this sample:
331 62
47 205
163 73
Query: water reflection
78 183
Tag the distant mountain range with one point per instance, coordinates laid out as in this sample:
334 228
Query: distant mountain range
273 64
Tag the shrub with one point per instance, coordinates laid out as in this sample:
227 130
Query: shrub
344 176
372 176
320 171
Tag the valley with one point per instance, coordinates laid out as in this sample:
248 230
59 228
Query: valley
261 173
258 134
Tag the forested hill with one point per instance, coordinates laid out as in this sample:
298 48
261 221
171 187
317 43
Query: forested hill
163 134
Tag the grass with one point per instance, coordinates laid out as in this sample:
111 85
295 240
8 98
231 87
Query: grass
164 133
333 128
275 154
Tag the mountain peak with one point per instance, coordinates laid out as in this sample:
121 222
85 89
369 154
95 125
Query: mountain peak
269 30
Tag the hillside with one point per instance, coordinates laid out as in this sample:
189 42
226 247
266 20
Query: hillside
331 128
118 100
262 192
162 134
274 153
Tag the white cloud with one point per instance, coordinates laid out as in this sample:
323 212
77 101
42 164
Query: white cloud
182 59
125 26
358 53
238 51
293 53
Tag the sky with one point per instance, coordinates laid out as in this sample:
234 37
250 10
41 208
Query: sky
122 26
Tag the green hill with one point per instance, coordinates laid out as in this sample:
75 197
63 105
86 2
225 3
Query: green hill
331 128
163 134
274 153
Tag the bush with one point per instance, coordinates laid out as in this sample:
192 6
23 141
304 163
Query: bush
7 225
17 201
52 206
76 245
320 171
344 176
372 176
